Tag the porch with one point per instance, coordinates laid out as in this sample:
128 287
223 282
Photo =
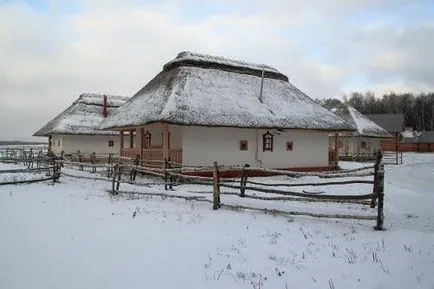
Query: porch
152 157
152 143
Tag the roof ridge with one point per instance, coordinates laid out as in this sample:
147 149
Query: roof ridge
357 115
187 58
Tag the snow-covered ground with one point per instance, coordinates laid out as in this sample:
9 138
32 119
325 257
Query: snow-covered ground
75 235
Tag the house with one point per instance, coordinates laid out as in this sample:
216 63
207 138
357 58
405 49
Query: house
75 129
394 124
365 140
200 109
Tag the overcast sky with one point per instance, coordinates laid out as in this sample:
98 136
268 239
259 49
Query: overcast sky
53 50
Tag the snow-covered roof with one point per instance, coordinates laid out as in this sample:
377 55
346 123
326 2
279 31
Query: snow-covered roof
83 116
203 90
363 126
187 56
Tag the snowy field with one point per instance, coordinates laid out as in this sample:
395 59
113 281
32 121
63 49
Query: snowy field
75 235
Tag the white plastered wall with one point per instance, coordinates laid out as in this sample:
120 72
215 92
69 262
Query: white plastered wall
86 144
203 145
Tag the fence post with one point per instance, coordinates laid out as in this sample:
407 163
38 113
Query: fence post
134 170
114 178
380 194
165 175
79 160
375 186
109 167
119 179
24 159
216 187
171 177
62 155
57 169
38 159
31 158
243 181
93 161
53 163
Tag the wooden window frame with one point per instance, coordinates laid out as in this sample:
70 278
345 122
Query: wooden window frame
289 146
244 145
147 140
267 141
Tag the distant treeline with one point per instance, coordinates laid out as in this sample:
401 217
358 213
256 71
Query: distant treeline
418 109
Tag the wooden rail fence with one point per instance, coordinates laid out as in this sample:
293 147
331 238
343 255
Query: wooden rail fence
174 176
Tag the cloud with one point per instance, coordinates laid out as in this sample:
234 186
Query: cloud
326 48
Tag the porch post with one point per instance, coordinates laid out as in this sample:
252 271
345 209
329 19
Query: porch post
166 153
122 139
358 148
50 143
131 138
336 160
139 140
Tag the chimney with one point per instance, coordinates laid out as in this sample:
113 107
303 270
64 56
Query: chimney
104 106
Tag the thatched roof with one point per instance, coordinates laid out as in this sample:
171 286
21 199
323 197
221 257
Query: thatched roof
83 116
392 122
202 90
362 125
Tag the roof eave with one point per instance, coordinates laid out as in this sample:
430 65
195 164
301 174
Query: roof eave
129 126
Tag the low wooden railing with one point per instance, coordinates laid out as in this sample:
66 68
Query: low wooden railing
155 156
130 153
152 156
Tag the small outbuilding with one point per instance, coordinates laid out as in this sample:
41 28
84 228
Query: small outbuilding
394 124
362 143
75 129
202 108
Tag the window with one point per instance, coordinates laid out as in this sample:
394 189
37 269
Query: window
58 143
267 142
363 145
111 143
147 140
243 145
289 146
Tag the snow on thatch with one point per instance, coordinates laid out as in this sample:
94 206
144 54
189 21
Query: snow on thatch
362 125
195 89
83 116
